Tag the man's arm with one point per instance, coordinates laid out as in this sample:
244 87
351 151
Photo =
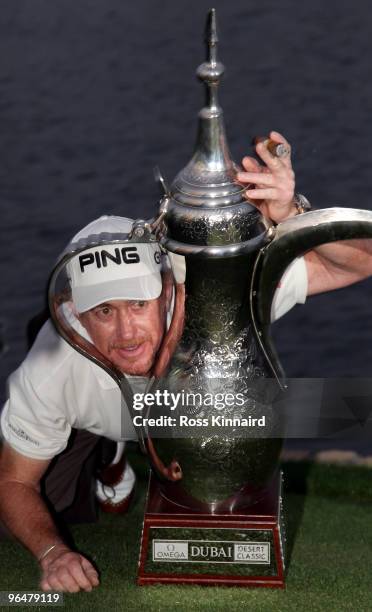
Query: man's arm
24 513
338 264
330 266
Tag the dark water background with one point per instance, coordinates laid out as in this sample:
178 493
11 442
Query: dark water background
94 93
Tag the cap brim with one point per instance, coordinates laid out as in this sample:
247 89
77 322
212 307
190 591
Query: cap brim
147 287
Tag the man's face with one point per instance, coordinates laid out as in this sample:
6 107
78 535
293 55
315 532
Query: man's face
128 333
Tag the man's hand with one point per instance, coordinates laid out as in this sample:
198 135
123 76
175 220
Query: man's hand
25 514
272 185
65 570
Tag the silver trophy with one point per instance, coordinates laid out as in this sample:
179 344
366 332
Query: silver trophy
214 501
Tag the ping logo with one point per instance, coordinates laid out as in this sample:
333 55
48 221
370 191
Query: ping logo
157 257
124 255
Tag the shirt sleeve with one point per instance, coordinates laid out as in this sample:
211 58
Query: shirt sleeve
31 421
291 290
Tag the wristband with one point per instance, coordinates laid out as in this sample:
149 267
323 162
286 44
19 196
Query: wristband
46 552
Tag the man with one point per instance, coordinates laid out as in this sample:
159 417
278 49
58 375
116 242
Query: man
127 326
56 390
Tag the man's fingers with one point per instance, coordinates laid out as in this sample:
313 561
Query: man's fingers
261 194
70 572
250 164
256 178
270 185
278 137
44 585
69 580
63 583
62 578
90 572
80 575
272 162
92 577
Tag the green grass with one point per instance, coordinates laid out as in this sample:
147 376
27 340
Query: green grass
329 512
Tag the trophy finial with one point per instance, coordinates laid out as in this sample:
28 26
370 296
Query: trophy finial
211 71
211 36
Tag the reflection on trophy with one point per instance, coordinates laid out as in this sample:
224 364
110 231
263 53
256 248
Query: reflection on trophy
214 511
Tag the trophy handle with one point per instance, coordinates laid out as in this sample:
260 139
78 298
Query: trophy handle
292 238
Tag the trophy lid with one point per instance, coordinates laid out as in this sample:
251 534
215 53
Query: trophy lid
211 173
207 207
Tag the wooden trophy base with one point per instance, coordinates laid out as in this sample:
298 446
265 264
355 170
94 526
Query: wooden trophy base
230 549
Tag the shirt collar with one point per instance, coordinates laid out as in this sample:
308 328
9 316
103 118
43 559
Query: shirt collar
137 383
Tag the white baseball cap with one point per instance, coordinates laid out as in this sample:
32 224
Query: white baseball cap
124 270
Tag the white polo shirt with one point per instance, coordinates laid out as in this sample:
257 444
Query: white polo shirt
56 388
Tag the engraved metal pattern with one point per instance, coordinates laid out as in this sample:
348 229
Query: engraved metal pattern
224 226
218 354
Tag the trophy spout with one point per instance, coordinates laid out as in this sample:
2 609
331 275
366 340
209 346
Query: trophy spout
293 238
